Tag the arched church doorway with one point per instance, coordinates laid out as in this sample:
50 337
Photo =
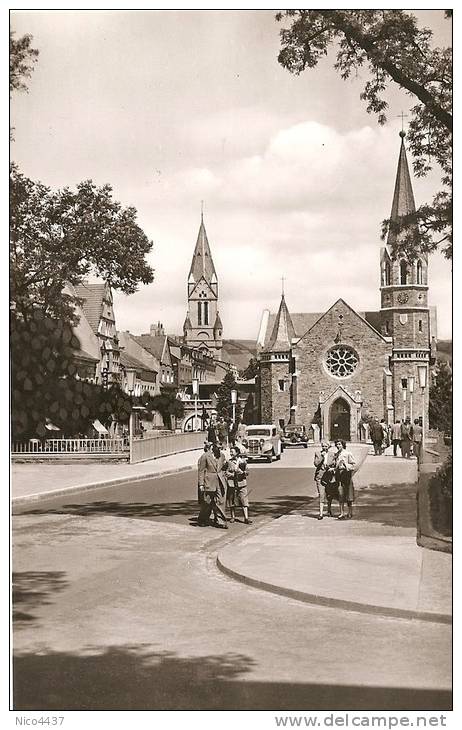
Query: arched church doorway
340 420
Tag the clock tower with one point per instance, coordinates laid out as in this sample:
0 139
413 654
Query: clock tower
404 309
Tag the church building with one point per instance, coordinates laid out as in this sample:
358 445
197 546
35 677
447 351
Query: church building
336 368
202 327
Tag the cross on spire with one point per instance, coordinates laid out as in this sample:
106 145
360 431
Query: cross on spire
202 209
402 115
282 285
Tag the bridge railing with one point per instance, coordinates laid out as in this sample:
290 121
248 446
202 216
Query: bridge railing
71 446
151 447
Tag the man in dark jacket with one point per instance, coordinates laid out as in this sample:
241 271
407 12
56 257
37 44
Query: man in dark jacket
376 432
417 436
212 482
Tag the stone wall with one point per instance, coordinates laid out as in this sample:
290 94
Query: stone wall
373 351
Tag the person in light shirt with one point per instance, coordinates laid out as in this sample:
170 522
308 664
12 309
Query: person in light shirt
344 467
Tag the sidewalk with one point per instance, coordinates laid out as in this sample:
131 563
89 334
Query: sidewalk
32 482
370 564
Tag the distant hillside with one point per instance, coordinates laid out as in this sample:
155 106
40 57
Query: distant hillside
444 350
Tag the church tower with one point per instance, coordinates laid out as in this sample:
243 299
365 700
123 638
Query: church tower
404 310
276 370
203 327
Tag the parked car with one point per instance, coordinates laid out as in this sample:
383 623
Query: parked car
263 442
295 435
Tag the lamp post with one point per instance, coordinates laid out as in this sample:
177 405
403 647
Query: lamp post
404 403
195 390
410 385
130 374
422 373
233 402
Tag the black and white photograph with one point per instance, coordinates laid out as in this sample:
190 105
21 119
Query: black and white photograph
231 371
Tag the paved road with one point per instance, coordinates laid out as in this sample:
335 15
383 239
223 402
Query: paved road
119 605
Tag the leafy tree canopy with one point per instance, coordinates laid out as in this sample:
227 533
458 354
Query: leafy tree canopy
390 47
64 236
224 404
22 60
440 399
251 371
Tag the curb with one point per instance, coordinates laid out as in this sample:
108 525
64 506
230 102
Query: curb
334 602
42 496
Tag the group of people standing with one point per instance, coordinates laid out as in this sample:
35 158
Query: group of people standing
334 467
222 482
404 435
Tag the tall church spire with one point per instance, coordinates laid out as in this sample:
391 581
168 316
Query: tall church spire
403 197
202 262
283 330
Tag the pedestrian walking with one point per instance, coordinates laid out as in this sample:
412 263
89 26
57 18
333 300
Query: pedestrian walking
323 459
212 482
396 436
237 494
385 439
212 432
222 432
417 436
376 432
406 441
344 466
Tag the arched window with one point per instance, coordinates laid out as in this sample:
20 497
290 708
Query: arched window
403 272
419 272
387 274
199 314
206 312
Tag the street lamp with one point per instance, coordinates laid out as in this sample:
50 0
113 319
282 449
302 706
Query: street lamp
233 402
195 390
130 375
410 385
404 403
422 373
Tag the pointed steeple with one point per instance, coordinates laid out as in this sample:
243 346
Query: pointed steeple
403 197
218 323
202 262
283 330
187 323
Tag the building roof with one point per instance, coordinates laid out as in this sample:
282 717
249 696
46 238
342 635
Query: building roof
155 345
202 262
283 330
144 372
403 196
187 323
218 323
93 296
303 321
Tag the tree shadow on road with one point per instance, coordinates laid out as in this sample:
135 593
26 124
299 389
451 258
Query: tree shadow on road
31 589
137 678
390 505
272 507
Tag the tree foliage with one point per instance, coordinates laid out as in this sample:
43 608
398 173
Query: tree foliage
440 399
62 237
390 47
22 60
251 371
44 385
224 405
167 404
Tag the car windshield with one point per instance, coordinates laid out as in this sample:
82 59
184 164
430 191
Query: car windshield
294 429
258 432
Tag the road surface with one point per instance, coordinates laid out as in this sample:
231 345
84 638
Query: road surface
118 604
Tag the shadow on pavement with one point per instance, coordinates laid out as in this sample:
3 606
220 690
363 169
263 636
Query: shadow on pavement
391 505
132 678
271 507
31 589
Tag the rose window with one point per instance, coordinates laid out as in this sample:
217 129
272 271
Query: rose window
341 361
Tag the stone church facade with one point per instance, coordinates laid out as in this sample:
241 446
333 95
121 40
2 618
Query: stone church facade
341 366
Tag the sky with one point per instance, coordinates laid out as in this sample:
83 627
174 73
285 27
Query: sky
175 107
